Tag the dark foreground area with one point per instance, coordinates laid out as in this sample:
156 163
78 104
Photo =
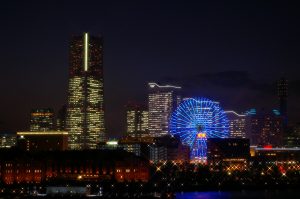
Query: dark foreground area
167 179
255 194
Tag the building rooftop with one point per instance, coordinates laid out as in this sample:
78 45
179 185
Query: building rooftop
42 133
152 85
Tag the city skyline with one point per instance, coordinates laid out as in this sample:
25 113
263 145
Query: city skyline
149 99
231 65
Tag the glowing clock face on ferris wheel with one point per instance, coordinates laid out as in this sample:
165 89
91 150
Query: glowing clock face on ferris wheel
197 119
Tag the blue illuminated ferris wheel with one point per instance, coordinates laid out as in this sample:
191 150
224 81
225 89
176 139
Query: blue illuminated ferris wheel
195 120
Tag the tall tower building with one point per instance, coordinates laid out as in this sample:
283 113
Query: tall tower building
85 109
41 119
282 92
136 120
162 101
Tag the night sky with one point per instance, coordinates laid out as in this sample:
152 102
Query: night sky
232 52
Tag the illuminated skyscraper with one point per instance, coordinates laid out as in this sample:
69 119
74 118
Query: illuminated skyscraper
41 119
137 120
162 101
85 109
237 124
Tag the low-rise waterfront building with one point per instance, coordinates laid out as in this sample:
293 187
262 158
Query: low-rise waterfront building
228 154
27 167
42 141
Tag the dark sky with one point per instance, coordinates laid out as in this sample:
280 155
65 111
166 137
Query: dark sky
229 51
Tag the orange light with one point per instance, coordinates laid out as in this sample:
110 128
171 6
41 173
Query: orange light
201 135
41 114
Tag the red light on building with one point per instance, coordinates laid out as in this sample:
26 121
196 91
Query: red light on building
282 170
268 147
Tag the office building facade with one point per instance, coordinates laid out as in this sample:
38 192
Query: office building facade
42 141
162 101
136 120
41 119
237 124
265 128
7 139
228 154
85 108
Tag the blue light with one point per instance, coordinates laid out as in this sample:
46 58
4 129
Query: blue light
252 111
197 119
276 112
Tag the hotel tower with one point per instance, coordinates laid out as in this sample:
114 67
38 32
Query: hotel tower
162 101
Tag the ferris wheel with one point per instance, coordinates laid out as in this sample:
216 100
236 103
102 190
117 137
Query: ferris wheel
195 120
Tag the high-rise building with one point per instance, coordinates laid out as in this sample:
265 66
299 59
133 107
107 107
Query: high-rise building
265 128
61 119
41 119
85 109
282 92
136 120
162 100
237 124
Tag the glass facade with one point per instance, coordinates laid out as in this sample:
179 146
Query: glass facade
162 101
85 109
